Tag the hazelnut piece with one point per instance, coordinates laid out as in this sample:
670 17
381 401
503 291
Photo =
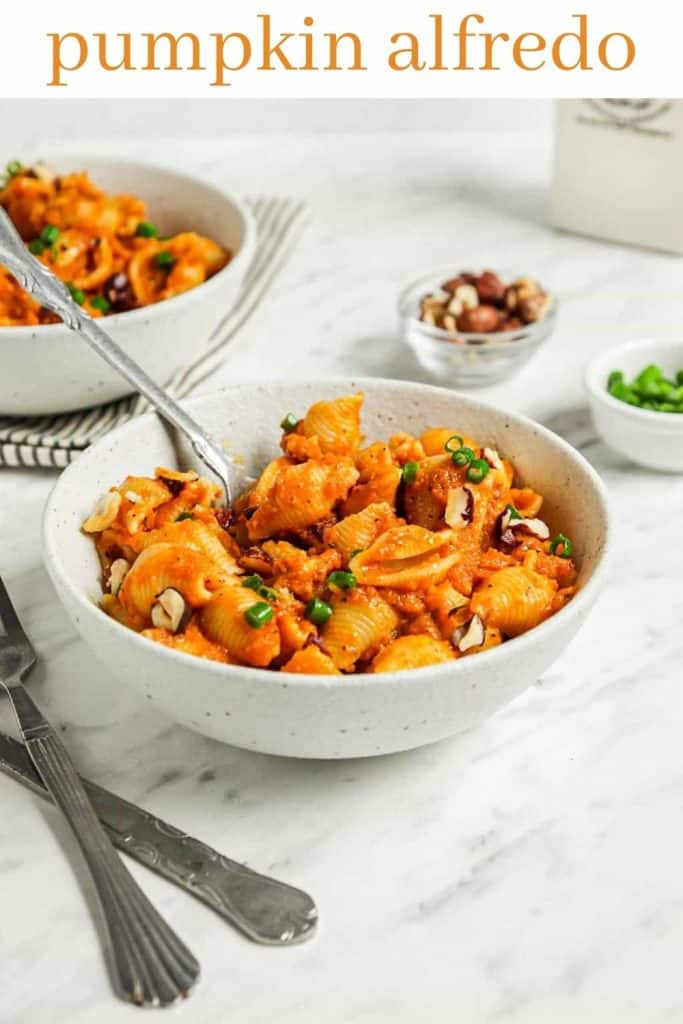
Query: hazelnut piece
171 611
459 507
467 637
117 573
536 527
455 282
490 289
533 308
493 458
104 513
482 320
510 323
466 295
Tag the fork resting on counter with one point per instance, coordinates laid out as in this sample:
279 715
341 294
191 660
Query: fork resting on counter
149 964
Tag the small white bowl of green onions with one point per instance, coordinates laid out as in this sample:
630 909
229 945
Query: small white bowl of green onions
636 397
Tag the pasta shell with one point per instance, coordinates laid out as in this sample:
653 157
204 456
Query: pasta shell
406 558
425 499
141 495
359 624
186 570
412 652
381 487
514 600
527 502
194 535
336 424
223 622
301 496
358 531
434 439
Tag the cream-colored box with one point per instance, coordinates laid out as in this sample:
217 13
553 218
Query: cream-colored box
618 171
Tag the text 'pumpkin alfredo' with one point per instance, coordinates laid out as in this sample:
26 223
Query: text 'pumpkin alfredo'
342 558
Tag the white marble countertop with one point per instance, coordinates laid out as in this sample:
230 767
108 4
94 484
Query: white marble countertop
527 871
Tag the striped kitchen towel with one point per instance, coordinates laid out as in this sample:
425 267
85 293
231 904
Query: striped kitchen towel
52 442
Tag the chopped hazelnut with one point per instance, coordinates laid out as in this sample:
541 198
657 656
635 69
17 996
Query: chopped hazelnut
459 507
482 320
471 636
490 289
171 611
104 513
117 573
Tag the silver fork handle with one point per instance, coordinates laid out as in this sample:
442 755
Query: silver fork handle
150 964
39 281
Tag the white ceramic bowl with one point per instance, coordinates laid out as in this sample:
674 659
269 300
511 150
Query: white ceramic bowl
322 716
48 369
652 439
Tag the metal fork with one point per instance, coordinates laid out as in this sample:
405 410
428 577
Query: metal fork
39 281
150 965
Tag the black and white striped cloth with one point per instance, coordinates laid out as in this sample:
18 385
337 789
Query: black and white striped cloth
52 442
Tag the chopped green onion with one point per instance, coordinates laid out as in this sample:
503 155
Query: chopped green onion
453 444
462 456
561 542
14 167
289 423
477 470
648 381
99 302
49 234
256 583
36 246
409 474
317 611
341 579
165 260
77 294
253 582
183 515
651 389
146 229
512 512
259 614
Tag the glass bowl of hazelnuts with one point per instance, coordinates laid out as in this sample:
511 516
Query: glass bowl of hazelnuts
475 329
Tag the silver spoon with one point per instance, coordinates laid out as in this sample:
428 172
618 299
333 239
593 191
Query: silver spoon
39 281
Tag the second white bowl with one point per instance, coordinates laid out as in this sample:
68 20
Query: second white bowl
48 369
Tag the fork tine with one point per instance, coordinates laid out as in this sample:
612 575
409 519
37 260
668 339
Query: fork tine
9 618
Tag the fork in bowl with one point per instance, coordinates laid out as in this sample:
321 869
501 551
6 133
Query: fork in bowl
150 965
39 281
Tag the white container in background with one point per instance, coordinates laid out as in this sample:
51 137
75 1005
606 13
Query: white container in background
618 171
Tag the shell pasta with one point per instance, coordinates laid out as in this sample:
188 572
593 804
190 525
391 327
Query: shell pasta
343 557
102 246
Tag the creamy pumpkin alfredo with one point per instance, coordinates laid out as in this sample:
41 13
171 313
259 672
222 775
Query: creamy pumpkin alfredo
344 556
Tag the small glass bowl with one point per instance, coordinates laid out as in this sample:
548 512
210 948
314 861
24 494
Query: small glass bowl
470 360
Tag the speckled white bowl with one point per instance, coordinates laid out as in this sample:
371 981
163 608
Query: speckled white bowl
48 369
322 716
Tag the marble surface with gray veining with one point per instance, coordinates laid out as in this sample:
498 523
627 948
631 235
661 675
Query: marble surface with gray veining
528 871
